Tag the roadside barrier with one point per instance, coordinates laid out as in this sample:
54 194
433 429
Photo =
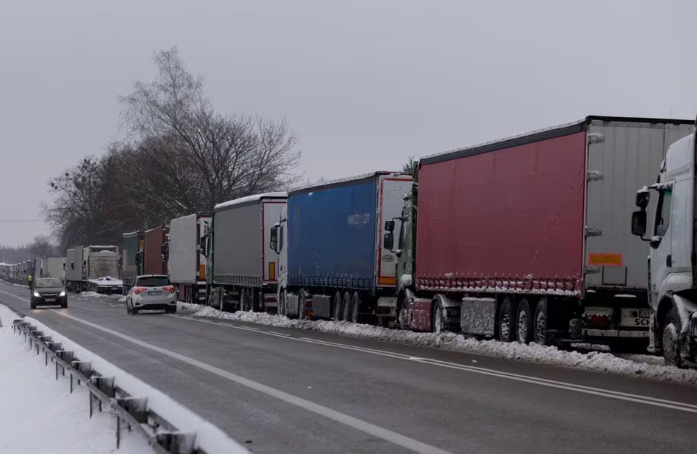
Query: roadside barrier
132 413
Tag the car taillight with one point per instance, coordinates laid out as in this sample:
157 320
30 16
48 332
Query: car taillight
138 290
170 289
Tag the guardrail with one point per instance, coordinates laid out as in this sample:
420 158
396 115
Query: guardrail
130 412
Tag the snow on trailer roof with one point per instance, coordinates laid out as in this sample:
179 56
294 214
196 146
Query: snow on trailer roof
338 181
251 198
541 134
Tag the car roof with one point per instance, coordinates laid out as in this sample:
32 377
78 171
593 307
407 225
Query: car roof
151 275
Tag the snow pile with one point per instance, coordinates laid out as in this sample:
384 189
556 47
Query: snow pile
39 415
209 437
637 365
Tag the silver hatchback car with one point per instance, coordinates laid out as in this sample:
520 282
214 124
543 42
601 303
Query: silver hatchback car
152 292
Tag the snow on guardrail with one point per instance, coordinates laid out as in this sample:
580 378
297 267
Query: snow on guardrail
134 403
644 367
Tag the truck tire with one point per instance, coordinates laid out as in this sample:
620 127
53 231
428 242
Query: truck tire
540 323
437 318
282 303
355 307
301 304
347 305
671 338
507 317
338 307
524 322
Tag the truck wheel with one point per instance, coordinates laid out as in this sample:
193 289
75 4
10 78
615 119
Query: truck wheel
282 303
347 305
540 323
338 307
507 319
524 322
301 304
355 307
437 318
671 338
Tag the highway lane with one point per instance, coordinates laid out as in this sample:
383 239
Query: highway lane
257 384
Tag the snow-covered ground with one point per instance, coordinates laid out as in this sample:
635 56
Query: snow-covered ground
39 415
209 437
636 365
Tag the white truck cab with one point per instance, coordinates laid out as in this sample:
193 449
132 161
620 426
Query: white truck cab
673 257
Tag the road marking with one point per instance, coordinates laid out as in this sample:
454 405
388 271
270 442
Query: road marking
363 426
646 400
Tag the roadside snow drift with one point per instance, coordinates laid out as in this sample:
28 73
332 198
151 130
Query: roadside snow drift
641 366
208 437
39 415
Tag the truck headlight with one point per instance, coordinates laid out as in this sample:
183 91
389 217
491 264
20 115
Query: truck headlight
62 293
36 294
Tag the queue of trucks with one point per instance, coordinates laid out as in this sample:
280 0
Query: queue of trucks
521 239
17 273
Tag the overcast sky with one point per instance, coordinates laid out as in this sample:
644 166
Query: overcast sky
365 83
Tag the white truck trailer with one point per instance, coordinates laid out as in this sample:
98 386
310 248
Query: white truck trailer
186 261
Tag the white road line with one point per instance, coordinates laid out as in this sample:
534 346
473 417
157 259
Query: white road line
646 400
363 426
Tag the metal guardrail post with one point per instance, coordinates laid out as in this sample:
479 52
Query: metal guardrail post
162 436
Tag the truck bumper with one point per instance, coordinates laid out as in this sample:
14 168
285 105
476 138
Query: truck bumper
615 333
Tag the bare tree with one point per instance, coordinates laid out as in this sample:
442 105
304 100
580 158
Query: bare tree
234 155
408 166
41 246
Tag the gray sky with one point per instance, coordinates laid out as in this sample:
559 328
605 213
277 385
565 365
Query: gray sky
365 83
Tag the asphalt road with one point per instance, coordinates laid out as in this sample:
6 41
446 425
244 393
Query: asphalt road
292 391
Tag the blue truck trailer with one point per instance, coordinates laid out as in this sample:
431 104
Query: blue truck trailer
332 262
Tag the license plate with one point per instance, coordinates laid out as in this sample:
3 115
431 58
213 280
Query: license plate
636 317
154 293
50 300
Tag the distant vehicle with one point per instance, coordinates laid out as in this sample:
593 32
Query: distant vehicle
242 266
132 252
187 262
49 291
85 265
152 292
672 238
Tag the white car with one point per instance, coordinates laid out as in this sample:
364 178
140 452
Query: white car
152 292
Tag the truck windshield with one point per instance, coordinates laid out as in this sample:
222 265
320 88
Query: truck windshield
153 281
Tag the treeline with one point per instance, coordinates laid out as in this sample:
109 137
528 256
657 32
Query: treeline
41 246
182 157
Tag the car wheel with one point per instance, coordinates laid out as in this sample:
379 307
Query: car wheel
507 320
173 310
64 305
32 305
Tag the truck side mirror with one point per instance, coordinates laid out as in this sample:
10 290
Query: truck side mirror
642 199
165 251
388 240
139 258
639 223
273 244
72 265
389 226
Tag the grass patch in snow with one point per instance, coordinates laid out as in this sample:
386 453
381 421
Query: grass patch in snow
634 365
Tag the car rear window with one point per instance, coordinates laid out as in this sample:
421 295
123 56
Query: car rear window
153 281
48 283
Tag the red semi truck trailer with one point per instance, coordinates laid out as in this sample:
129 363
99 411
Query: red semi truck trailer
526 238
155 250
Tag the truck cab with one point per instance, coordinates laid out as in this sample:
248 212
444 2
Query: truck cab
278 243
669 227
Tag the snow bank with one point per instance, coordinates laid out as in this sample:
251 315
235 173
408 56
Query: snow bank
39 415
636 365
208 437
